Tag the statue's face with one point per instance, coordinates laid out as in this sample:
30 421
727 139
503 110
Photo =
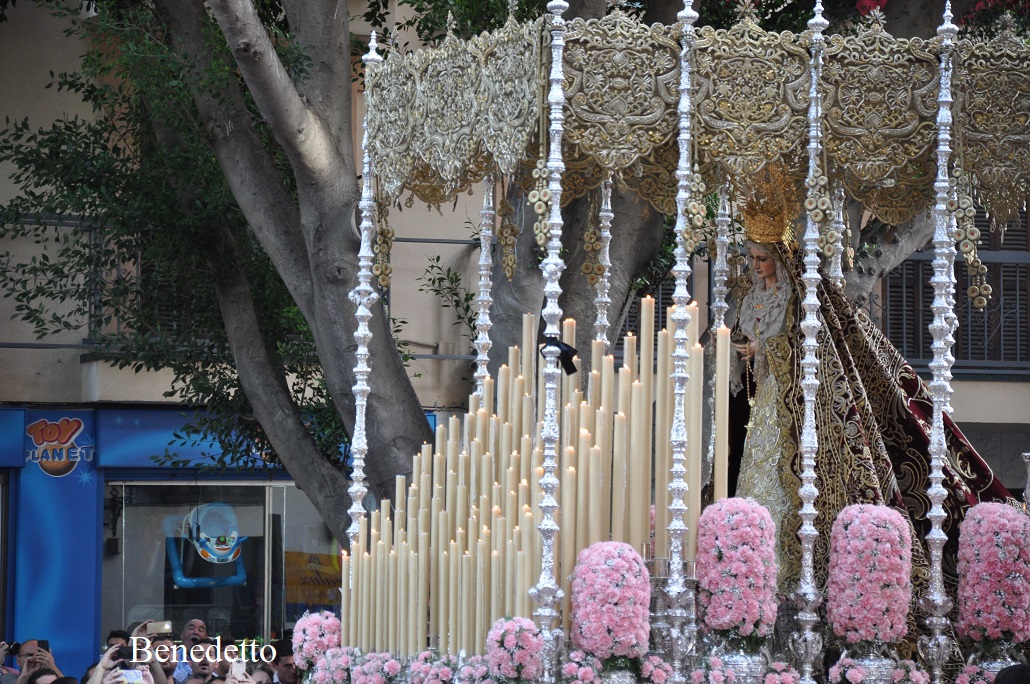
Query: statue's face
763 264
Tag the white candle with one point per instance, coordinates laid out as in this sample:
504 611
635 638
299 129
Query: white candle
720 475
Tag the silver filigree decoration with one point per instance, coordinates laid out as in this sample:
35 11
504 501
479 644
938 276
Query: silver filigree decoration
751 95
621 81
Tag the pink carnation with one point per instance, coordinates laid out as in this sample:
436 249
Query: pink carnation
994 574
736 568
847 671
611 593
870 574
514 650
909 672
313 635
474 671
971 674
376 668
781 673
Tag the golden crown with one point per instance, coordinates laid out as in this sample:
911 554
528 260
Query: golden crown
771 205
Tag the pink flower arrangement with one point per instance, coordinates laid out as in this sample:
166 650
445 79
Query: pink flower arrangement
654 670
313 635
994 574
474 671
847 671
736 568
429 668
712 670
909 672
781 673
581 667
333 667
971 674
611 591
514 650
376 668
870 574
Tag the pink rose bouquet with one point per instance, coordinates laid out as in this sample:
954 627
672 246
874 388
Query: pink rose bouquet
736 568
581 667
313 635
376 668
654 670
847 671
781 673
909 672
971 674
333 667
429 668
514 650
611 591
994 574
474 671
870 575
713 670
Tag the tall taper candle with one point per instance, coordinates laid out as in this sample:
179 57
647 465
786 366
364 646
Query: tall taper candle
720 471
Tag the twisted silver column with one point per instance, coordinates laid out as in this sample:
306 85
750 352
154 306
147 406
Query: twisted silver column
680 610
363 296
936 646
547 593
807 643
484 298
602 301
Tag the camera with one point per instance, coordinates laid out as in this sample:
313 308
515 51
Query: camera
13 648
132 676
162 628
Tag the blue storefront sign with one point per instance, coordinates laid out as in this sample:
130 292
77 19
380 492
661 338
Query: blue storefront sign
57 528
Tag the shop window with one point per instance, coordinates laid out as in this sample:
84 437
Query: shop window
248 559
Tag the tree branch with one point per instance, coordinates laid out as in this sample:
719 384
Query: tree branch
268 393
300 133
887 256
322 29
270 211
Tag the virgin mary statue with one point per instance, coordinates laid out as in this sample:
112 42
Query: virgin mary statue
872 411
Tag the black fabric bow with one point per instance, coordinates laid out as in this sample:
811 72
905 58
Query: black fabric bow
565 354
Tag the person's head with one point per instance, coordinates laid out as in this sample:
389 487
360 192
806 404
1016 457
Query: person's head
29 647
1014 674
262 674
762 262
117 637
283 662
167 662
202 659
43 675
65 680
193 631
88 672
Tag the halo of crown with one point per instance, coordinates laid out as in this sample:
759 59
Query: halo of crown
771 204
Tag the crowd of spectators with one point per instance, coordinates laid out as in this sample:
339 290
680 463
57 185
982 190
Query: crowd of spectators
125 661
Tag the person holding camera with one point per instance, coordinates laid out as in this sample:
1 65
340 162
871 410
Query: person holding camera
31 655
